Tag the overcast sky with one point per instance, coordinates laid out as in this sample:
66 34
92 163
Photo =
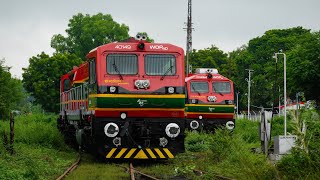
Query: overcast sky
26 26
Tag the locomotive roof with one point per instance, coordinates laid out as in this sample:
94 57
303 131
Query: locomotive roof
132 46
204 76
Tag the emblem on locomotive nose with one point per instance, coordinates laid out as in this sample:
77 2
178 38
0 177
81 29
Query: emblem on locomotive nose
142 102
211 109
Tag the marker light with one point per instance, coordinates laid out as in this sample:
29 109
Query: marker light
171 90
123 115
113 89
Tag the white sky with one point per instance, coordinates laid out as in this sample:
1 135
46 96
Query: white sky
26 26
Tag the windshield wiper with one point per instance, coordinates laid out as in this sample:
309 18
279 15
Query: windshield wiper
194 89
217 91
164 75
117 70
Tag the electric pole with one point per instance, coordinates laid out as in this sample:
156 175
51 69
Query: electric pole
189 35
249 86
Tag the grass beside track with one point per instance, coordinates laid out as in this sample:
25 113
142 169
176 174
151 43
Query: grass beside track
89 168
40 153
39 149
34 162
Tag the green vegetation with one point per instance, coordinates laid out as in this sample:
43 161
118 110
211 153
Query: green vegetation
302 48
86 32
91 169
39 149
41 154
237 154
42 78
225 153
304 161
11 91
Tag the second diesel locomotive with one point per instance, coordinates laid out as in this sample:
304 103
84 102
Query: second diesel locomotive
126 100
210 100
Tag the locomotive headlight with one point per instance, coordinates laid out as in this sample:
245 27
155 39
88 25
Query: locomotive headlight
229 102
113 89
194 124
138 84
200 117
212 98
111 129
172 130
146 83
123 115
171 90
194 101
230 125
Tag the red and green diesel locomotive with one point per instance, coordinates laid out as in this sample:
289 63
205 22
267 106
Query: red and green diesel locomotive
127 100
210 100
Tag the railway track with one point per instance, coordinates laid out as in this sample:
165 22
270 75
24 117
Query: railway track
133 172
71 168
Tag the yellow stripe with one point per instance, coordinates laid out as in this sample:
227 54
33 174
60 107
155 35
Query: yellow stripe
136 96
65 102
130 153
141 155
210 113
111 152
159 153
136 109
168 152
82 80
151 153
209 105
121 152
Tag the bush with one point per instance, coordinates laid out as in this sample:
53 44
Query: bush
304 160
198 142
247 130
36 129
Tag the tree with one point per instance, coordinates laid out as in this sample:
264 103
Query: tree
10 91
209 58
258 56
86 32
42 77
304 67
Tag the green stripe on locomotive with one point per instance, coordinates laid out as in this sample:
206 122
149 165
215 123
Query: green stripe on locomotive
210 108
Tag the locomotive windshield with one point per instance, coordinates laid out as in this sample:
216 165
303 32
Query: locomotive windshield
221 87
199 87
160 64
122 64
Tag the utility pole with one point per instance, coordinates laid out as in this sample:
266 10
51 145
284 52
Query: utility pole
189 36
249 86
238 103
